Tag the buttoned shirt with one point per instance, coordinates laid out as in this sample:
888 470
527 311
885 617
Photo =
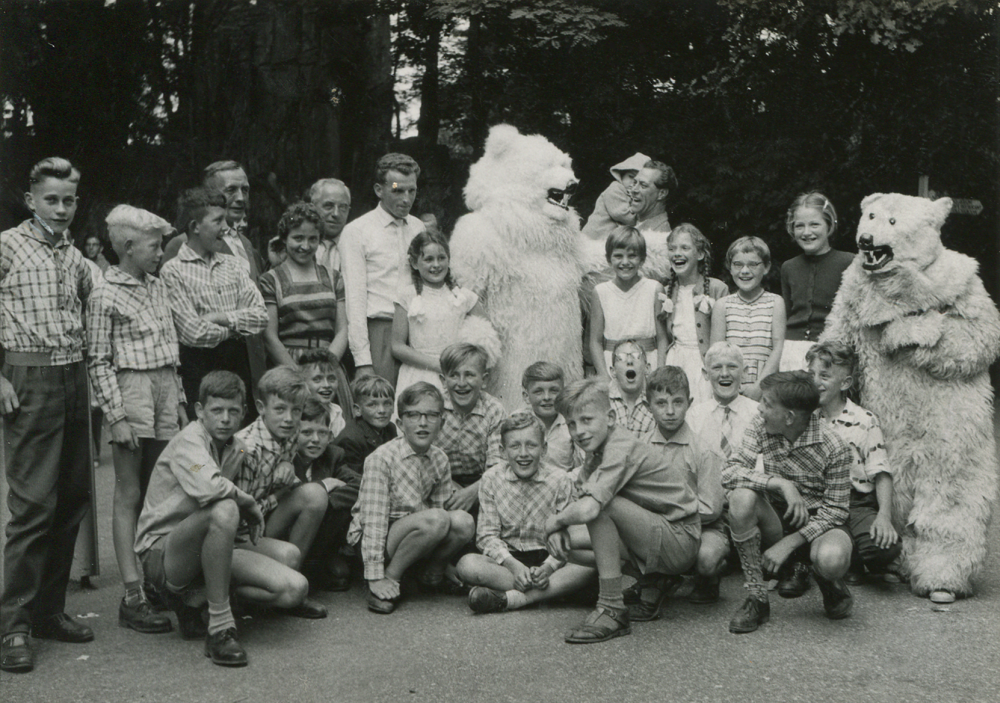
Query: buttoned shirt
396 482
513 511
860 429
705 419
328 256
472 442
638 420
129 326
267 466
43 288
231 236
199 286
686 449
818 462
561 452
372 254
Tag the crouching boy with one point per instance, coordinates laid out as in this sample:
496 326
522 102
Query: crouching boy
186 535
400 518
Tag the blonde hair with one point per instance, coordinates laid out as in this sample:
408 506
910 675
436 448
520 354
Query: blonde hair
125 223
583 392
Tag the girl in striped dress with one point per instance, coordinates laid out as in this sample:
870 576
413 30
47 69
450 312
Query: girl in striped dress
752 318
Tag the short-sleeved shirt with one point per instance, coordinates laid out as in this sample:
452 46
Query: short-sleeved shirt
860 429
267 465
471 442
685 449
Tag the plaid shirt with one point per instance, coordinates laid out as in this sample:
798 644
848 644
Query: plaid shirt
818 463
267 465
42 291
472 442
860 429
513 511
198 287
128 327
396 482
639 420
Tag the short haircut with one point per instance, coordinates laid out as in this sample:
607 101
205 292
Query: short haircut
749 245
668 379
194 204
317 357
221 384
217 167
542 371
53 167
295 216
628 238
285 382
724 348
315 410
521 420
126 222
622 342
396 162
667 178
793 389
577 394
371 386
457 354
836 353
316 187
412 395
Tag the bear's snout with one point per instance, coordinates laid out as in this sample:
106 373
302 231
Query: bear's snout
875 257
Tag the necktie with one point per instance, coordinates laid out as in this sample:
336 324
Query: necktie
727 432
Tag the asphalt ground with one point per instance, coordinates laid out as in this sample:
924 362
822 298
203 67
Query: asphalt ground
895 647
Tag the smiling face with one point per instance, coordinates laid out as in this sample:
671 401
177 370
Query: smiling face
313 439
589 425
669 411
302 242
321 380
725 375
377 412
541 396
206 233
220 416
432 265
748 272
54 201
647 199
465 384
831 380
397 193
281 417
235 186
630 369
146 251
334 205
421 423
811 231
524 450
625 262
684 254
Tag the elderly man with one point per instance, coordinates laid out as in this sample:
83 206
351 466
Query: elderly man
649 193
372 253
333 200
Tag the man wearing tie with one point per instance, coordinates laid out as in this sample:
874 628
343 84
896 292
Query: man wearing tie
372 258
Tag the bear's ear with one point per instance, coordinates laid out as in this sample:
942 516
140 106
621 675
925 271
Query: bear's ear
502 136
870 199
939 211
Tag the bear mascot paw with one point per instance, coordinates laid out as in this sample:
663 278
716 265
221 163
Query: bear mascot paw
520 250
926 332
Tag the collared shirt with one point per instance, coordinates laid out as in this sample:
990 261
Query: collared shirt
129 326
513 511
42 291
396 482
472 442
231 236
359 439
705 420
561 451
860 429
328 256
190 474
818 462
267 465
624 466
372 254
688 450
638 420
199 286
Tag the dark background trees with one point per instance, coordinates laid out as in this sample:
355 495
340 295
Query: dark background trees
751 101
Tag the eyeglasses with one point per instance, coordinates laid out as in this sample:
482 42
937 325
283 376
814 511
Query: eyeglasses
750 265
414 416
630 356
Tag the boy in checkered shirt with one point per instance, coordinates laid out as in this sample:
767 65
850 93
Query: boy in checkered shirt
132 345
627 392
515 499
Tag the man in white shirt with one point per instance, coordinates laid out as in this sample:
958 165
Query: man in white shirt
372 255
649 193
333 200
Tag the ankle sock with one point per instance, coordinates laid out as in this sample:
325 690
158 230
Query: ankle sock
748 547
133 593
610 595
220 617
515 599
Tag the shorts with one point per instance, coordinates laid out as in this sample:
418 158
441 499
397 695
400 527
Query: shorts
531 558
802 553
670 547
154 572
151 399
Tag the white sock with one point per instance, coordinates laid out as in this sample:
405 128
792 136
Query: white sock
516 599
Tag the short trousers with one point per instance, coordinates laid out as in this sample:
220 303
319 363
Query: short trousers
155 573
670 547
531 558
151 399
802 553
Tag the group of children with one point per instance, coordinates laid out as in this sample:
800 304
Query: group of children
593 480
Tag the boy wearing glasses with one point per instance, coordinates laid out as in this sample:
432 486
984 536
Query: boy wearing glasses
401 516
628 392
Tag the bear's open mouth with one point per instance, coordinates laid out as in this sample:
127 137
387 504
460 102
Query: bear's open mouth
875 257
561 198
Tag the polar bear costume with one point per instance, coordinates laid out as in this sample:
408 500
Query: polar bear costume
519 249
926 332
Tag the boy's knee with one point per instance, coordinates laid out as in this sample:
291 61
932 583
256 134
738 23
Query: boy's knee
286 553
434 522
313 497
293 590
711 558
225 514
831 557
468 569
462 524
127 496
742 504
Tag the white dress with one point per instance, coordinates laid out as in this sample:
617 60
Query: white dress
684 352
629 314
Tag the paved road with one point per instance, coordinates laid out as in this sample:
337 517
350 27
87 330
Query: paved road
894 648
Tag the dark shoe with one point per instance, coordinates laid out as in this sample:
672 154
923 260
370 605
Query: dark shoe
16 656
751 615
191 621
796 583
632 594
487 600
600 626
153 597
704 591
62 628
379 605
444 587
644 611
309 609
224 649
142 618
837 599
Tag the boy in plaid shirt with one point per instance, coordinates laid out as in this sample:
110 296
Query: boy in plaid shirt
627 392
797 503
132 345
400 517
515 499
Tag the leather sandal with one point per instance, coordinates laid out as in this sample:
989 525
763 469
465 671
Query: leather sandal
600 626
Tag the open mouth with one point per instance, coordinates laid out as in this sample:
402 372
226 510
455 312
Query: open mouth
875 258
630 375
561 197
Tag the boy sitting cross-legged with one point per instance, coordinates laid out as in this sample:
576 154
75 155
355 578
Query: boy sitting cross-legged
630 495
627 391
542 383
400 517
515 499
187 530
372 426
292 510
799 501
876 544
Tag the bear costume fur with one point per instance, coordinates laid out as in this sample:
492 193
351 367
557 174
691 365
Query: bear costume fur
519 249
926 332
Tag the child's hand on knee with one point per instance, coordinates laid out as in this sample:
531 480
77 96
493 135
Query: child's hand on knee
463 499
558 544
540 576
883 534
520 572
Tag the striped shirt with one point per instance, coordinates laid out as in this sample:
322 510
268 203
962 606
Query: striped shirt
471 442
306 309
199 286
860 429
267 465
748 326
42 291
129 326
396 482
